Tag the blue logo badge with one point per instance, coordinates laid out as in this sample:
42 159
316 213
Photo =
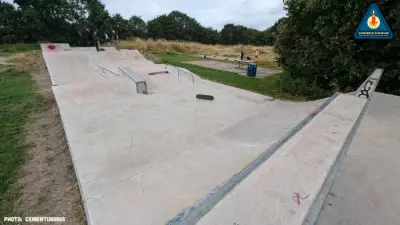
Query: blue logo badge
373 26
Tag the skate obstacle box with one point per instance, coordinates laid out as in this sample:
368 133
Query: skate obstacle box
139 80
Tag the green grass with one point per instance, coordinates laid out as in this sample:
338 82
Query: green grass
266 86
15 48
18 100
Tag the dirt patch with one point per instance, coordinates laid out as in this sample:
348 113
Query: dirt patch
3 61
47 182
27 61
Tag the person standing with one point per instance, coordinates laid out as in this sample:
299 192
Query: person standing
115 40
96 40
257 53
107 40
241 53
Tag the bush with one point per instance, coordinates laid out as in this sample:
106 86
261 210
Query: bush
300 87
317 48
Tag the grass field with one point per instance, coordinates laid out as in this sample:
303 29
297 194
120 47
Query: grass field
266 86
18 100
17 48
36 173
266 57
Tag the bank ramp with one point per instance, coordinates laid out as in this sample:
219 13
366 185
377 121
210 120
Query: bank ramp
288 183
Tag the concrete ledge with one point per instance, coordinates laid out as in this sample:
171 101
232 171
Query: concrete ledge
283 189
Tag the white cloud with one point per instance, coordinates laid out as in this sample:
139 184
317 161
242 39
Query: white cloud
258 14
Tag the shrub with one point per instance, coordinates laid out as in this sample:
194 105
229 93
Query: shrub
316 46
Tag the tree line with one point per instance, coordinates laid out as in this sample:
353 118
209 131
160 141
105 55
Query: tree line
73 21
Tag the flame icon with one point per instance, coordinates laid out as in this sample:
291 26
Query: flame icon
373 21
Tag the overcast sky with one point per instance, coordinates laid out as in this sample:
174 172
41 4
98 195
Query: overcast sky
258 14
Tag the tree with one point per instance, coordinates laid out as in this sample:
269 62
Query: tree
236 34
210 36
271 33
316 45
120 25
156 27
98 17
176 26
74 21
9 20
227 34
136 27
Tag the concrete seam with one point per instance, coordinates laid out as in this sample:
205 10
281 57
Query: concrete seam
192 214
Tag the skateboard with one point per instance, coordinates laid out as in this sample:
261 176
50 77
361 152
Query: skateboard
158 72
205 97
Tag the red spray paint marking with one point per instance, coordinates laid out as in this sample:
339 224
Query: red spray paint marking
296 198
52 48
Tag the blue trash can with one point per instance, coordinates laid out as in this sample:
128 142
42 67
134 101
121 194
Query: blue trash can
255 70
251 69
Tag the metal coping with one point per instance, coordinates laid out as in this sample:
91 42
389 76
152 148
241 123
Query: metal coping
192 214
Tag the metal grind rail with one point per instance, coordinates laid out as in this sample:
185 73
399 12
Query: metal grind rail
108 70
179 70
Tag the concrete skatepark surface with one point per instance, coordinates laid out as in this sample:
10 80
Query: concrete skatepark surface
230 67
265 192
141 159
139 155
367 190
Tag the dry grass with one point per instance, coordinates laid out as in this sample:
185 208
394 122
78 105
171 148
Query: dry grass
26 62
266 53
47 182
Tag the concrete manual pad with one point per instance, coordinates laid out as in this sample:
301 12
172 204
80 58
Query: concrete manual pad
140 159
282 190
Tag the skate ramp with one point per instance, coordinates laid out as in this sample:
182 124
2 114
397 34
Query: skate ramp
135 55
55 47
93 92
122 143
160 166
283 189
288 183
70 68
141 159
